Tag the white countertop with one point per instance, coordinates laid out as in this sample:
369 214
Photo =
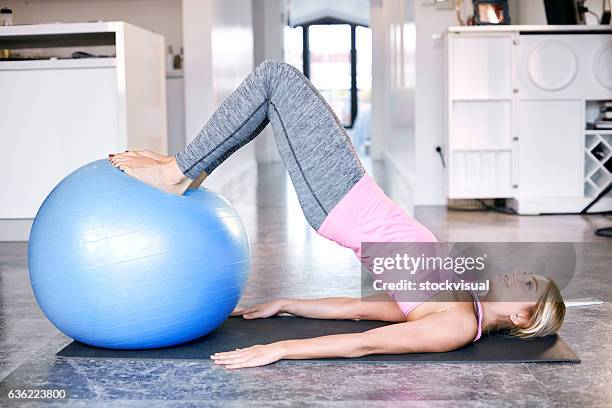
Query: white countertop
63 28
55 63
531 28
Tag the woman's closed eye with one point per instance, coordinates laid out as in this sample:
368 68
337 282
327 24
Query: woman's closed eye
532 284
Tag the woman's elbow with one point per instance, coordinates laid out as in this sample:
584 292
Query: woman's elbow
406 346
446 344
361 346
370 344
352 309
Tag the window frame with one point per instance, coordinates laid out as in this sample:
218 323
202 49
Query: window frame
306 57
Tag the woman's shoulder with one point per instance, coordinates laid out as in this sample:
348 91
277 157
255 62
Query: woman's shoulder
462 310
468 313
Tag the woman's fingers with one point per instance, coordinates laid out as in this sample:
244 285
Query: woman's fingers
238 362
230 357
225 354
238 312
231 352
252 313
233 355
254 356
246 313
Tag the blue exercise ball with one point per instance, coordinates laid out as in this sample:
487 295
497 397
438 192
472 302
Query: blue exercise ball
118 264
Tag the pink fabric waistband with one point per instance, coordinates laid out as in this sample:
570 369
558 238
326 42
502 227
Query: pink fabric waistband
366 214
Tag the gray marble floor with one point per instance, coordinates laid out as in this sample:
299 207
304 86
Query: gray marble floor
290 260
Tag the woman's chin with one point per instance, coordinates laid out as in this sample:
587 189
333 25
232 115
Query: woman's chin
496 287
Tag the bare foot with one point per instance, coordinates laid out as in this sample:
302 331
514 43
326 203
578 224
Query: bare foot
155 169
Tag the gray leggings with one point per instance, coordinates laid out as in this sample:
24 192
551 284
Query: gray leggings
312 142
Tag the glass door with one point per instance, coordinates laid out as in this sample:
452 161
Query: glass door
330 66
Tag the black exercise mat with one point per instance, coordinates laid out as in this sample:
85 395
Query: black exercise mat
239 333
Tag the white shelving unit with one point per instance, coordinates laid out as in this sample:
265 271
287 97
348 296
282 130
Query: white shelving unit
60 113
597 161
481 115
519 99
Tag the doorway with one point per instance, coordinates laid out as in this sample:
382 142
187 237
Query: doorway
336 56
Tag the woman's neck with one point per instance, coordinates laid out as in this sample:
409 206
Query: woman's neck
491 318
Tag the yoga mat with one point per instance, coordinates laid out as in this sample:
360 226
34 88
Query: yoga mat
239 333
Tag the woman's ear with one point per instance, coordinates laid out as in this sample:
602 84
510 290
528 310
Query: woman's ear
519 319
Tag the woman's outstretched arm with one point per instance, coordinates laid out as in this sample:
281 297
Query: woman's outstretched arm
378 307
438 332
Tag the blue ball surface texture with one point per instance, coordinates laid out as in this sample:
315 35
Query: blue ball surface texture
118 264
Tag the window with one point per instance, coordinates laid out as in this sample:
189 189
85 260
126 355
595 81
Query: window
330 66
337 57
363 40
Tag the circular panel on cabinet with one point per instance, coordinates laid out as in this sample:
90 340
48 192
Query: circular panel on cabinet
603 65
552 66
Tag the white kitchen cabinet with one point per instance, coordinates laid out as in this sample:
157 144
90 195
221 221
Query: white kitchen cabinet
550 151
59 114
481 115
518 102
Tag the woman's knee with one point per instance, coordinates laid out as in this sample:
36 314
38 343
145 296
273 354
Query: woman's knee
272 65
271 70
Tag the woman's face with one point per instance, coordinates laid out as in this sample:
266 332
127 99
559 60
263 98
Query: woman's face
517 292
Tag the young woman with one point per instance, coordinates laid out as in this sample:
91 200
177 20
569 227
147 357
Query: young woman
342 203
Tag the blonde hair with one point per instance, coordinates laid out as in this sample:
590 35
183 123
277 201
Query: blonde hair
546 316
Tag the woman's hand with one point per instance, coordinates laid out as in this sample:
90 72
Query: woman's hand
261 311
254 356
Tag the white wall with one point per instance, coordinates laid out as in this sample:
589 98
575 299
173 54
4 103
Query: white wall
408 108
430 180
379 23
393 94
269 19
394 78
350 10
218 38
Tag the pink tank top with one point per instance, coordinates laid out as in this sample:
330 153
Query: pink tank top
366 214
